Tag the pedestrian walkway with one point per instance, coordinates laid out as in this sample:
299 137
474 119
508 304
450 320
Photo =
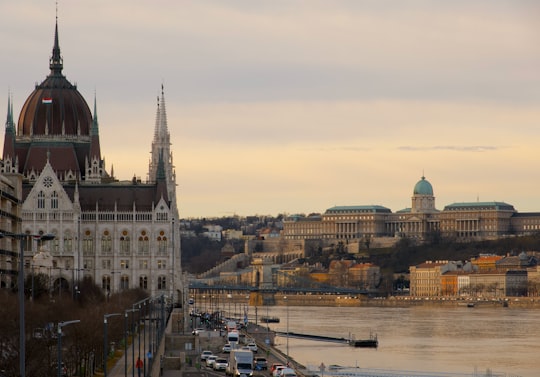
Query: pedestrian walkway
120 370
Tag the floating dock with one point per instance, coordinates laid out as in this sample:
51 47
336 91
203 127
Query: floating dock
372 342
265 319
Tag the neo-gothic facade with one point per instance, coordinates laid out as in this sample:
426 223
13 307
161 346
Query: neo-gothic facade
465 221
119 233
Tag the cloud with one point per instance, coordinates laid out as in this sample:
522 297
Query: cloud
471 148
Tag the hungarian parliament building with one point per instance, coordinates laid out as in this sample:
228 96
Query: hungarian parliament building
53 181
470 221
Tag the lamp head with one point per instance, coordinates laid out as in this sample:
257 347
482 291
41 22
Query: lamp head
47 237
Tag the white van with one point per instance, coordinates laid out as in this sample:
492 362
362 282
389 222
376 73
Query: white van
233 338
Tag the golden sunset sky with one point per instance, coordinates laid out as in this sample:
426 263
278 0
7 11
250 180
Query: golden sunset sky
297 106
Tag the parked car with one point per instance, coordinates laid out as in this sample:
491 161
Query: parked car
277 370
205 354
274 366
220 364
252 347
287 372
210 360
261 363
227 348
197 331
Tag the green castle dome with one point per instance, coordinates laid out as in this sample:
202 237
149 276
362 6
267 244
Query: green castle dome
423 187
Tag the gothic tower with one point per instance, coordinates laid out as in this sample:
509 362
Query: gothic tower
161 152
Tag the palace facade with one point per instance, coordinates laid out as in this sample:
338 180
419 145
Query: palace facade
462 221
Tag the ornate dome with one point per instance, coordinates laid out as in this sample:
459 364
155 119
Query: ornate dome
55 107
423 187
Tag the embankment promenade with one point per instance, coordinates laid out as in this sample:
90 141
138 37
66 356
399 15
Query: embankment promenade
259 299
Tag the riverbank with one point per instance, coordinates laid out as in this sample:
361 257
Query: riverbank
235 303
403 301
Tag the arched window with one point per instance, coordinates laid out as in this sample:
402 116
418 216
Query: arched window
143 282
162 282
144 245
106 243
162 243
124 243
88 243
54 200
124 282
55 245
27 241
41 200
106 283
68 242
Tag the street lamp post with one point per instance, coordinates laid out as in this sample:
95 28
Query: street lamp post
21 237
287 301
150 319
144 336
105 342
143 319
59 336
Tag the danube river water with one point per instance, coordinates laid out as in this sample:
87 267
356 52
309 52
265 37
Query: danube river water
419 338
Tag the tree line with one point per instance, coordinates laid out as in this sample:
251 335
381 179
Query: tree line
82 342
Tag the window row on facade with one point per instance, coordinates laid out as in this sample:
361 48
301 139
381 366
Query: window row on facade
107 282
126 246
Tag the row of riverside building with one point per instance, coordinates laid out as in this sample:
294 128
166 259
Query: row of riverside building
486 276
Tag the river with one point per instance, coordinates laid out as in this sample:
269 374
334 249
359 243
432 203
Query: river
436 339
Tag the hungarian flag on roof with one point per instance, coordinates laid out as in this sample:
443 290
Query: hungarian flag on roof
46 100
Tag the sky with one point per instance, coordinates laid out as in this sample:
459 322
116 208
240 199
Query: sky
290 106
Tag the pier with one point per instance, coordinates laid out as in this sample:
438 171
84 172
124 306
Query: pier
371 342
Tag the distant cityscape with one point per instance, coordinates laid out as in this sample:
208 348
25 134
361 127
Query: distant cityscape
255 254
276 251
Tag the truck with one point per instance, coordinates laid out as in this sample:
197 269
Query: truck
240 363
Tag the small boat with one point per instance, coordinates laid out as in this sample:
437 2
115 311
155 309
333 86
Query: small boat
266 319
335 367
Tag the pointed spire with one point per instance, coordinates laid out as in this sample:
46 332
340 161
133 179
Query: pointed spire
9 117
11 110
95 128
161 169
158 121
163 116
56 62
95 146
9 138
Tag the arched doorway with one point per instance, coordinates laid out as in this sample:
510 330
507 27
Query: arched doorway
60 287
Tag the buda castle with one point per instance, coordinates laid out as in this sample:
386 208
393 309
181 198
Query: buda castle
378 225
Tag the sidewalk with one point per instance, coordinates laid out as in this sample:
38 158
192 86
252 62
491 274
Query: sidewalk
119 369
